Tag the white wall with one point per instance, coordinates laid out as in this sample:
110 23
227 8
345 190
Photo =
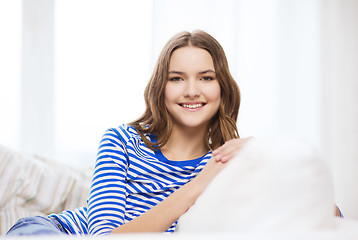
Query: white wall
339 124
84 69
102 56
299 62
10 72
37 78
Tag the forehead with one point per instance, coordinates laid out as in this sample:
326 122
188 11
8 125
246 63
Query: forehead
188 59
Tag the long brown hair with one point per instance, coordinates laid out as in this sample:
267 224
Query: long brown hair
156 118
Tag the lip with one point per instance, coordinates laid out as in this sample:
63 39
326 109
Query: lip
192 103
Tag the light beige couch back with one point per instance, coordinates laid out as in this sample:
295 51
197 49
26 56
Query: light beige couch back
31 186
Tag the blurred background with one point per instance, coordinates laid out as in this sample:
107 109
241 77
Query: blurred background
70 69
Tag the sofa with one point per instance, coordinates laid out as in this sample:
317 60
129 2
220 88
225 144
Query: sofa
31 185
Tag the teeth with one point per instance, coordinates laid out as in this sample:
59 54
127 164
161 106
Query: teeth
192 106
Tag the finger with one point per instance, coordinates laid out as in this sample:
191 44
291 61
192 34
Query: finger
222 159
216 151
228 155
230 149
226 158
217 158
221 148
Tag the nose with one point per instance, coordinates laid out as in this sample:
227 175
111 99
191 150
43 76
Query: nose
192 89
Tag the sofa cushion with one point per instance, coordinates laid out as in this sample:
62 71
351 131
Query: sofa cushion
36 186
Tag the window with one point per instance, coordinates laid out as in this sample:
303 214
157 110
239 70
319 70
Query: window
10 62
103 62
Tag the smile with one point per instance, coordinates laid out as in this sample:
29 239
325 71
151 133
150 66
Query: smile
192 106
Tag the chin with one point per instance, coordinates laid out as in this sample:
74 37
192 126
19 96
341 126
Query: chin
193 125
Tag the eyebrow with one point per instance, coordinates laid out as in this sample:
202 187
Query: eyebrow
207 71
175 72
202 72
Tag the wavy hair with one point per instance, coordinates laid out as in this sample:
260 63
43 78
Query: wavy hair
156 119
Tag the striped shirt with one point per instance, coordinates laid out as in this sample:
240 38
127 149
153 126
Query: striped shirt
129 178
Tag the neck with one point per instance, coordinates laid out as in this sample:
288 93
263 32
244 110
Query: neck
185 144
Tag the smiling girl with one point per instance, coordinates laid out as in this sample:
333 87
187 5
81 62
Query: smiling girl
149 172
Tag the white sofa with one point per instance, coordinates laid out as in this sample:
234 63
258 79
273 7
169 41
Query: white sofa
31 186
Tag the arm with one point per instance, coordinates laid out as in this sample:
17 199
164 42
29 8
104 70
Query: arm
106 202
163 215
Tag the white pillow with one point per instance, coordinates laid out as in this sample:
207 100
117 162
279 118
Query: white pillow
271 185
33 186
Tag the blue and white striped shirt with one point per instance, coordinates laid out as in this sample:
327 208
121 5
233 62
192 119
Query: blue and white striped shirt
129 178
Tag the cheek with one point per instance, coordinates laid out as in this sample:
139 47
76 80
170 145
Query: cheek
166 94
215 94
217 98
218 101
169 95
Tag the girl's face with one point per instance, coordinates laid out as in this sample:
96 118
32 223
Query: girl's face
192 92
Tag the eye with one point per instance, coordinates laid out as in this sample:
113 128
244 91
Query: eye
207 78
175 79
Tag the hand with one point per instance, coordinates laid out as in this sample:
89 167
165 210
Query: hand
229 149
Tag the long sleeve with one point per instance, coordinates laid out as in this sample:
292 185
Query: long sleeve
107 198
129 179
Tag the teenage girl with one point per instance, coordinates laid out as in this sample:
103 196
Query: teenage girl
150 172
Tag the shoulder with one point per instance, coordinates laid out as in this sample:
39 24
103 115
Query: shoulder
123 133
